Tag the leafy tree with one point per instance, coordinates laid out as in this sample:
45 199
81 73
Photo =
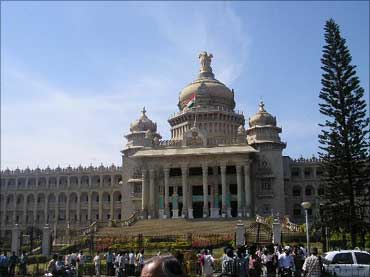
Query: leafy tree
344 138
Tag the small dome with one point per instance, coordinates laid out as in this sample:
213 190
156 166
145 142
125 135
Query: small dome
143 124
262 118
206 90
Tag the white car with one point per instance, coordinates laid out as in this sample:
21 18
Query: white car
347 263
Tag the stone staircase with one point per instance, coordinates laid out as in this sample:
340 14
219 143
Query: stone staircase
162 227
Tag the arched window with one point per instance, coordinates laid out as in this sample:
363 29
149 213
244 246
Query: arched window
296 191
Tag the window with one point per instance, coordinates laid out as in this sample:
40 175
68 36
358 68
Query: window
266 184
321 191
362 258
233 189
296 191
179 191
307 172
343 258
195 171
308 191
137 188
295 172
230 170
297 210
175 172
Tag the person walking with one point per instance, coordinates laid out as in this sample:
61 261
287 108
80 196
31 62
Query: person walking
97 265
140 260
207 264
131 261
286 262
23 264
80 263
13 260
109 260
312 265
4 263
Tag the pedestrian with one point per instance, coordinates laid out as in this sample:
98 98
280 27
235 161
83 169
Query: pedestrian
286 262
242 260
208 264
140 259
255 267
109 263
13 261
131 260
228 265
4 263
97 265
312 265
52 268
23 264
80 263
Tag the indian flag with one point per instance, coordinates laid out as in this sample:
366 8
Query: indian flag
190 102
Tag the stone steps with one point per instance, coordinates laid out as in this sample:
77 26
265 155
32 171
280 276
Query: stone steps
154 227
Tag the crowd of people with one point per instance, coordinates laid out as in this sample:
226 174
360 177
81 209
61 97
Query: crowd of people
8 264
272 260
265 261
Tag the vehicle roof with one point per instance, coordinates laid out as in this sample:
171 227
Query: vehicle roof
329 255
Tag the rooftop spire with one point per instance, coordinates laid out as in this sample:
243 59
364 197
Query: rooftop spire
261 107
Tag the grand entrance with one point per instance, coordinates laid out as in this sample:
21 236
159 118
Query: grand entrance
197 209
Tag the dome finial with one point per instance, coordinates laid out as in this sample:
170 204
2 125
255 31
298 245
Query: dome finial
205 62
143 111
261 107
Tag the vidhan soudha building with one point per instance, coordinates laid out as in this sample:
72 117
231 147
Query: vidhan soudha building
212 166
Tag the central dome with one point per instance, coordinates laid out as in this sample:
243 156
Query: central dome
206 91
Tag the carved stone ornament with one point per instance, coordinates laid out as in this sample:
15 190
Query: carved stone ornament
205 62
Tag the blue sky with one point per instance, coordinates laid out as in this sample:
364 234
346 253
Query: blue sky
75 74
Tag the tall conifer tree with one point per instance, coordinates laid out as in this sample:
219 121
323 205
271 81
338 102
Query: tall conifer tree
344 140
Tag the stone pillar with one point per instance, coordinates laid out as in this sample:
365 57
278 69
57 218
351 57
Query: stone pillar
14 208
175 203
26 182
46 211
68 181
56 208
101 181
16 239
184 177
58 181
67 206
111 206
240 234
78 209
223 182
151 193
166 192
45 247
276 232
89 203
100 205
247 189
144 193
205 189
24 220
90 181
79 181
35 209
240 190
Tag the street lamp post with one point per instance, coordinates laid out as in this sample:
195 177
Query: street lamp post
306 206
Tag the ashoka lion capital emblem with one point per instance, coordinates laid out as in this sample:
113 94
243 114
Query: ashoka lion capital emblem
205 62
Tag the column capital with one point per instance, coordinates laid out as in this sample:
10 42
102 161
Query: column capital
238 169
151 172
247 162
166 170
205 165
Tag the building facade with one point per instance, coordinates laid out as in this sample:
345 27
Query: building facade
212 166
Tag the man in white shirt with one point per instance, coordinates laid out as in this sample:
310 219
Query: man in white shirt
208 264
97 264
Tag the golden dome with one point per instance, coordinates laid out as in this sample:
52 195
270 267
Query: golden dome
262 118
